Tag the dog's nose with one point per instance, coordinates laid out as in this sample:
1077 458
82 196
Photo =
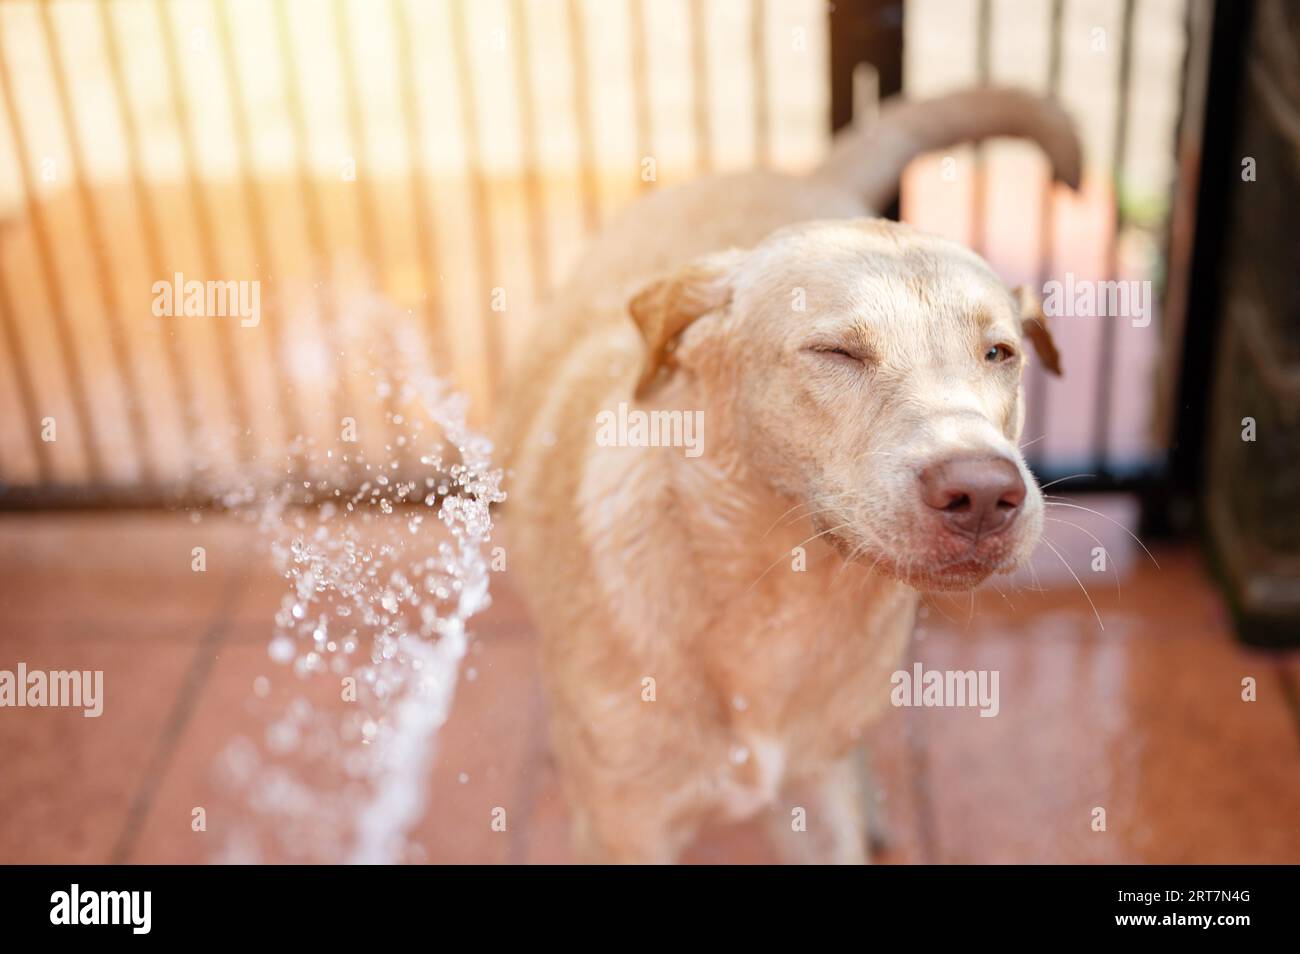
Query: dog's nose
978 496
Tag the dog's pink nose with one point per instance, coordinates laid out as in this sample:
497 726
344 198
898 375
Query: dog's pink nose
978 496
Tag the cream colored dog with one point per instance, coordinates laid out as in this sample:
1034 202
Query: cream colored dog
740 448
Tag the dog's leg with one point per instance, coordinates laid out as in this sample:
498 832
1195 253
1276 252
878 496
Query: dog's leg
879 831
615 832
822 820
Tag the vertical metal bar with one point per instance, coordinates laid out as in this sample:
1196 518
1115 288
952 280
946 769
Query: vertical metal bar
425 236
204 227
50 279
151 231
132 393
254 210
1036 412
1216 71
482 224
979 170
848 29
582 119
700 87
313 219
1105 367
535 209
864 31
26 389
641 90
370 231
758 54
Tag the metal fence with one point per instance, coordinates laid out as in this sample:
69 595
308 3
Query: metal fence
449 155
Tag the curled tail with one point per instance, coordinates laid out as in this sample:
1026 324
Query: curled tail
869 160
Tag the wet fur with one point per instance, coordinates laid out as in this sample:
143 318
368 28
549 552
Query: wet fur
639 563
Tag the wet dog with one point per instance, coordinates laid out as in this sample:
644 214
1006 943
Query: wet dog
718 627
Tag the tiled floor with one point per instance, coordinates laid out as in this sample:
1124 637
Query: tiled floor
1144 718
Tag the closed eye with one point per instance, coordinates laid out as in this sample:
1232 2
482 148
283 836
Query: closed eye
837 353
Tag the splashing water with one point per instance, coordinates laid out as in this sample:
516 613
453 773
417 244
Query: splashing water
378 597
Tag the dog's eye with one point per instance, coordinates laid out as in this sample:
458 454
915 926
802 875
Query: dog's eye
833 353
998 353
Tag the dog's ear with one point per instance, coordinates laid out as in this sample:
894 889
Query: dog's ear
1033 325
663 309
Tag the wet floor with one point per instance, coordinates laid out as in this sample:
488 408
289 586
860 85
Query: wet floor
1144 719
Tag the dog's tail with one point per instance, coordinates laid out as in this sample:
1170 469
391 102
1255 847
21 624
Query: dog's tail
869 160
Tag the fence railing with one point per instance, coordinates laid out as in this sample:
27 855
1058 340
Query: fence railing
452 156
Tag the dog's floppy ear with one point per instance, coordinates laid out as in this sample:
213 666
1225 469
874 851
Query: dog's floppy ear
663 309
1033 325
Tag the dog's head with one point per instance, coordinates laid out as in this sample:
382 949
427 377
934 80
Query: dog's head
873 375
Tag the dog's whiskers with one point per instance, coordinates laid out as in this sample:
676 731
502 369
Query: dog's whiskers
932 602
1004 596
807 516
874 453
1070 569
854 553
1034 573
839 496
1053 501
783 556
1113 570
1061 480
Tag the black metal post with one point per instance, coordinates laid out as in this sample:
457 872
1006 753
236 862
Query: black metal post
864 31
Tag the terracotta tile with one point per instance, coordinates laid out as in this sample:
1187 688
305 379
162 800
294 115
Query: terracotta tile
490 755
68 781
1144 719
490 737
113 569
97 591
225 710
1289 674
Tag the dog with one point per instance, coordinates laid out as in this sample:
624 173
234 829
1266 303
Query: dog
718 628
